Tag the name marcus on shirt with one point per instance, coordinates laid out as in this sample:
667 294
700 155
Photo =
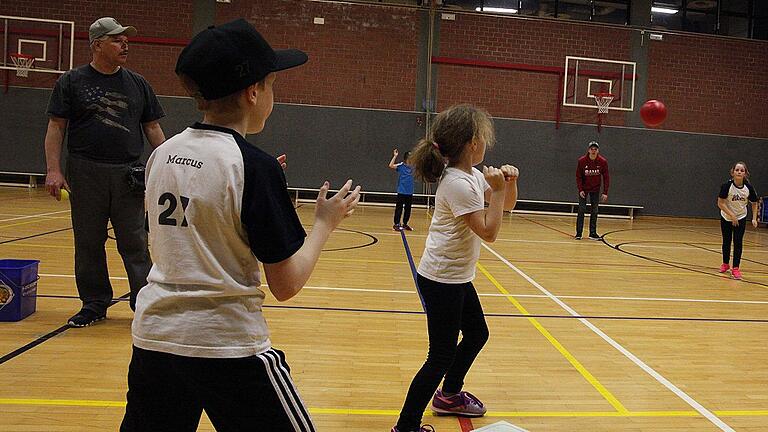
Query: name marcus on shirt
175 159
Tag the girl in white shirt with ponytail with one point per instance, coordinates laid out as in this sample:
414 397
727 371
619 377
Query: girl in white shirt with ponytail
459 136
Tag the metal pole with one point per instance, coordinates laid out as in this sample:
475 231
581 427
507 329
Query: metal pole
61 41
430 42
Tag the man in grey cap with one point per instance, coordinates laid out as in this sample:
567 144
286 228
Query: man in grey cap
590 170
105 110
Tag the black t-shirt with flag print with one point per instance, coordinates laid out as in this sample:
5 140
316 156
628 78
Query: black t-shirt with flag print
104 113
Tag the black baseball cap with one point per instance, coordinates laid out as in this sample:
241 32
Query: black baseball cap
224 59
593 144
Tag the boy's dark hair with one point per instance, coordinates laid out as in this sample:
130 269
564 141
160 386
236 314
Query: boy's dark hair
406 155
452 130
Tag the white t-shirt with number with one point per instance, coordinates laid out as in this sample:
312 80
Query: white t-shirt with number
216 207
452 248
736 198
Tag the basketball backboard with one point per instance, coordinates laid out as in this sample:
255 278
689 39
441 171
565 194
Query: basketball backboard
584 77
51 42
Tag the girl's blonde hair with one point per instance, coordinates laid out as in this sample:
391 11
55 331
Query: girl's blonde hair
452 130
746 170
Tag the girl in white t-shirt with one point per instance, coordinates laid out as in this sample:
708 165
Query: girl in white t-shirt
732 200
459 137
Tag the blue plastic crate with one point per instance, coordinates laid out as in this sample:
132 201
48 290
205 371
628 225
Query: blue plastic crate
18 288
763 216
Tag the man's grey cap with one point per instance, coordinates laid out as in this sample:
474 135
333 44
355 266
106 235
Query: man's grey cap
108 26
593 144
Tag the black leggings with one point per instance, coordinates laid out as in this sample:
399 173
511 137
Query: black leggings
450 308
403 200
735 232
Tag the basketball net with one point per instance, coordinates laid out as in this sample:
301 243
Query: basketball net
23 63
603 101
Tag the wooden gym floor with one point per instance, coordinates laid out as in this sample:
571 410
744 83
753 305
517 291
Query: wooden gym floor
634 333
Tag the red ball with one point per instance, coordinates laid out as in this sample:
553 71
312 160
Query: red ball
653 112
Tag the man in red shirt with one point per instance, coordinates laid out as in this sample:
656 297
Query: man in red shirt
591 169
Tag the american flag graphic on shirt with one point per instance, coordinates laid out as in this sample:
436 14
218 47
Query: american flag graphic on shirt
108 106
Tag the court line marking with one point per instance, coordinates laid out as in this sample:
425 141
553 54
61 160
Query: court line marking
390 413
618 406
29 217
577 297
642 365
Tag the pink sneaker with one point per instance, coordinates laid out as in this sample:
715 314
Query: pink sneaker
736 273
724 267
461 404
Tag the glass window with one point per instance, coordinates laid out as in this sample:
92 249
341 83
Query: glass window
574 9
761 9
667 14
542 8
460 4
760 30
700 22
614 12
667 20
734 26
500 6
737 6
702 5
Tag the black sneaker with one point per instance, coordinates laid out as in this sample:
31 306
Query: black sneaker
407 228
578 237
86 317
397 227
594 237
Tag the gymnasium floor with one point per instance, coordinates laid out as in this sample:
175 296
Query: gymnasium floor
634 333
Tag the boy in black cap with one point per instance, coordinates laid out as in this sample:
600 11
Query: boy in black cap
590 169
216 207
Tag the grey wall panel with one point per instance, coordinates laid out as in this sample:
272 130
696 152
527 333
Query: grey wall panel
335 144
669 173
23 123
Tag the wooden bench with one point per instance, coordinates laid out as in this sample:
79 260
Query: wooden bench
523 206
607 210
10 175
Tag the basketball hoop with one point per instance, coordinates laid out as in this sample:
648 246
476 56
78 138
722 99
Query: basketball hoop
603 101
23 63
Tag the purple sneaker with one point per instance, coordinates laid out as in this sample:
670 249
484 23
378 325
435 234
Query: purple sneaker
462 404
423 428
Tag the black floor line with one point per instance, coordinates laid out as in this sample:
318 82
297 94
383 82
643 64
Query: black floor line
498 315
51 335
34 235
687 267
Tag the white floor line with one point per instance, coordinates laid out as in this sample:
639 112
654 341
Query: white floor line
665 382
34 216
392 291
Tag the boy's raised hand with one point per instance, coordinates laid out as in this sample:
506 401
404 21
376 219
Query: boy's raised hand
333 210
395 152
494 177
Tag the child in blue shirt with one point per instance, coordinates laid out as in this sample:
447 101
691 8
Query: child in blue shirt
404 190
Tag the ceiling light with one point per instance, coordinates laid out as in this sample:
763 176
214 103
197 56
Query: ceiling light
495 9
663 10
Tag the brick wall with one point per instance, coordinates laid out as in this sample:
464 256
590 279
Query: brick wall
710 84
363 56
152 19
520 94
